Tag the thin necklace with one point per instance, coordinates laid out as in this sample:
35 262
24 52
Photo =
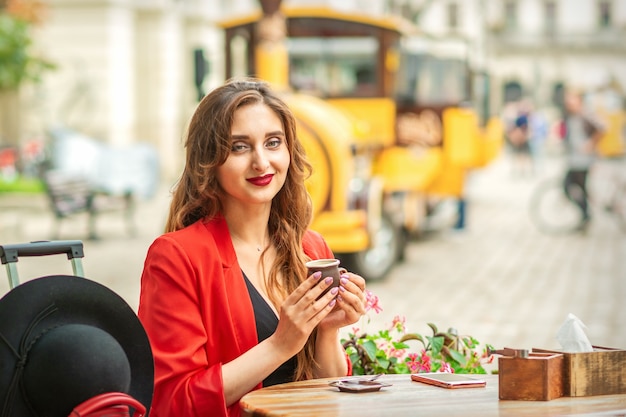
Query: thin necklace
260 248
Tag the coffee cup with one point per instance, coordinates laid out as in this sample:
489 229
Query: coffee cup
328 268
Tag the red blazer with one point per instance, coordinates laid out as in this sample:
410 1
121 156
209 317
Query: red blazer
195 307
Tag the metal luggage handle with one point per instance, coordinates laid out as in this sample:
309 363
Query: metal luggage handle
9 255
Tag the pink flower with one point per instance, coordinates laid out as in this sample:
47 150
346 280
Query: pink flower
398 323
390 351
445 367
412 362
395 353
371 302
421 363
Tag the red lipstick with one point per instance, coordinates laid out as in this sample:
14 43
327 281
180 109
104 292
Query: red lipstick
261 181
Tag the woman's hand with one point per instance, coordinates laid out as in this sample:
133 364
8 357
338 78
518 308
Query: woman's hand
350 303
301 312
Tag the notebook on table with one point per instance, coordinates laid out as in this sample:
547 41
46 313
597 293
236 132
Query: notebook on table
448 380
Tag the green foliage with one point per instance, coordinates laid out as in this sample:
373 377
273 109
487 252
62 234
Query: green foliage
21 185
396 352
17 63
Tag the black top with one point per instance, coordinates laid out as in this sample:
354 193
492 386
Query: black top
266 323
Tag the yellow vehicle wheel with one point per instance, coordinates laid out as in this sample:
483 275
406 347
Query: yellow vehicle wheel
320 182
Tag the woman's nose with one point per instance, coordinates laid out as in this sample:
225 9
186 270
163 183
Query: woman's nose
260 160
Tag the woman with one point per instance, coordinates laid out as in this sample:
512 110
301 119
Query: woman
225 297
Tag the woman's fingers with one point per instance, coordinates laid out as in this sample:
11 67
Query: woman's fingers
352 304
352 284
306 307
327 300
307 301
311 287
357 280
350 301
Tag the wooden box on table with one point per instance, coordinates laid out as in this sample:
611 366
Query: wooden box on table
538 377
601 372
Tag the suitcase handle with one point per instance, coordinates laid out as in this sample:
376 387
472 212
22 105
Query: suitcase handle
72 248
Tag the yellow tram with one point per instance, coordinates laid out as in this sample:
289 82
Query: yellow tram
386 125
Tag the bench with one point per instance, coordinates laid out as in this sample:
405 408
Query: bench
70 194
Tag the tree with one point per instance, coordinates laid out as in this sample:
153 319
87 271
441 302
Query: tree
18 63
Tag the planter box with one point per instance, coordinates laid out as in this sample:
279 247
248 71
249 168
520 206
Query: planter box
539 377
600 372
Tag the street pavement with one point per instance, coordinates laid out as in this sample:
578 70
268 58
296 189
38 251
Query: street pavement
500 280
504 282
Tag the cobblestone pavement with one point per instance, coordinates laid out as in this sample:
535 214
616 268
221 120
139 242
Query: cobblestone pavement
501 280
504 282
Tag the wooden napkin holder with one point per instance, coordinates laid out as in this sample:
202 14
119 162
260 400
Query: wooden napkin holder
600 372
537 377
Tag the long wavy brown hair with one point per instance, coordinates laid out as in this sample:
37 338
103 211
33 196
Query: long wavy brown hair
197 194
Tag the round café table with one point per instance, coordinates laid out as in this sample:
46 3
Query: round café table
316 398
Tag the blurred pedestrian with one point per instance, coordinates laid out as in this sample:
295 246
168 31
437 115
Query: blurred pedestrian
538 130
225 297
518 134
582 132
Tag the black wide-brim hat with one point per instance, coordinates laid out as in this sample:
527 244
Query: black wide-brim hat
65 339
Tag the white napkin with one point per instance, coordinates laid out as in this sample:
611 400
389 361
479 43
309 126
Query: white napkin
572 335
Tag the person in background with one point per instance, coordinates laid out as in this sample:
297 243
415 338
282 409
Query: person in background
582 132
519 139
225 297
538 129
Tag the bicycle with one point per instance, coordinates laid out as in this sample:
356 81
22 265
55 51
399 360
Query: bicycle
553 211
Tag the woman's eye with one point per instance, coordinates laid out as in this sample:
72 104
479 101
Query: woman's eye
239 147
274 143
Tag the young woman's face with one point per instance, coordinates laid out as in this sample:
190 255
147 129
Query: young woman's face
257 166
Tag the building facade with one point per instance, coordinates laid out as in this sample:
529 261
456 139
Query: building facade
131 70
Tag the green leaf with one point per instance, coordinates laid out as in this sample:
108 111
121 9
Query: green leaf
449 339
385 334
457 356
358 371
436 343
399 345
413 336
384 363
370 347
433 327
401 368
17 63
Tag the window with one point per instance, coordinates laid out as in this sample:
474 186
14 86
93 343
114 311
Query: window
239 56
558 92
512 91
604 14
431 80
510 14
453 15
334 66
550 17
